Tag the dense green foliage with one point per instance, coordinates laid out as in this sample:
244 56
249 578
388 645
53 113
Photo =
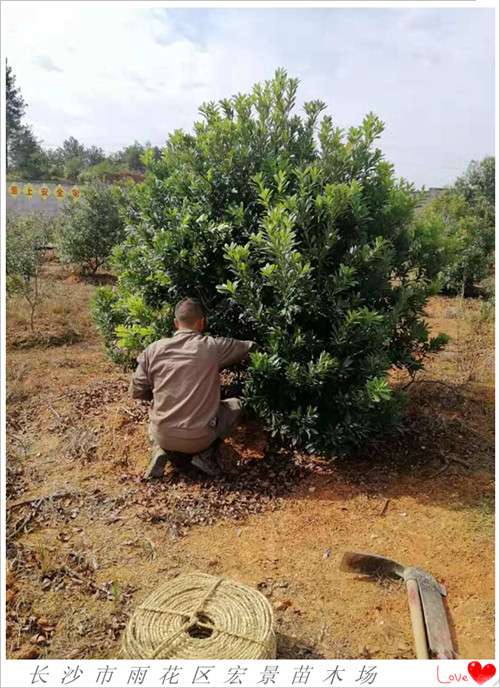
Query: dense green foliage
462 224
14 103
74 161
23 150
477 185
292 233
91 228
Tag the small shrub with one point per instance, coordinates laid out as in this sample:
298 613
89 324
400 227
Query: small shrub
27 238
472 234
108 316
487 310
91 228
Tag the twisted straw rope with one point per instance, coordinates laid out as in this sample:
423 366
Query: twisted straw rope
237 620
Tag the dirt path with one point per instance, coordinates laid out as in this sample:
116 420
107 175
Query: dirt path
83 557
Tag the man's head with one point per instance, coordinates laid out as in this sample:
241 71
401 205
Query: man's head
189 315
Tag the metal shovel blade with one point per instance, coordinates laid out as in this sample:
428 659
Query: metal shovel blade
430 592
371 565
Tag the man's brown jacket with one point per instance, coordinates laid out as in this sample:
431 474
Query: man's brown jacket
181 375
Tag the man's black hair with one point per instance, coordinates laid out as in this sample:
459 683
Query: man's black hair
188 311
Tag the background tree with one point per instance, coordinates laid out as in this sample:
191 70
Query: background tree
94 155
72 148
55 164
27 159
477 185
99 172
27 155
131 157
91 228
14 109
24 151
73 167
26 237
294 233
465 216
72 157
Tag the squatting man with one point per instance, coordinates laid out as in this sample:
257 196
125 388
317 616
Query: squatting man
180 375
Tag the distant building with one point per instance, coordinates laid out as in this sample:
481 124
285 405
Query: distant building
435 191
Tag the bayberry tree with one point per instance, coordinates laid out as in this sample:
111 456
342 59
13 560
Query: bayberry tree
292 232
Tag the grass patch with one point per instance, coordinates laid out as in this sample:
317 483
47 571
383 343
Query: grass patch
482 514
46 340
62 318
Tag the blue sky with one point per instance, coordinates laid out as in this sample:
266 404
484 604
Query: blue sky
112 73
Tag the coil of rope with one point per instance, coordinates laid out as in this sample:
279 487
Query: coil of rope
198 616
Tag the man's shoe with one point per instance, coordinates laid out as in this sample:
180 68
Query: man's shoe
206 463
157 464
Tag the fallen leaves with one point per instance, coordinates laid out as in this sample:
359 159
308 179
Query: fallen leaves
193 500
43 508
81 444
282 605
27 652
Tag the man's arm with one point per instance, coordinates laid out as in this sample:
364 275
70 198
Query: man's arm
233 350
140 385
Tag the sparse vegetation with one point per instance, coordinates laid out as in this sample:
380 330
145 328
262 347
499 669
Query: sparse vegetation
27 238
59 321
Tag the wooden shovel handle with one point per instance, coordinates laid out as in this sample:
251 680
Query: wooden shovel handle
417 619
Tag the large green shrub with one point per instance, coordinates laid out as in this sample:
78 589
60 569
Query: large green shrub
294 233
91 227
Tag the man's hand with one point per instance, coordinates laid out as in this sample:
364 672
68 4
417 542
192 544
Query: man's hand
140 387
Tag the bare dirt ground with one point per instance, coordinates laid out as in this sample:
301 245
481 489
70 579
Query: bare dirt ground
88 540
